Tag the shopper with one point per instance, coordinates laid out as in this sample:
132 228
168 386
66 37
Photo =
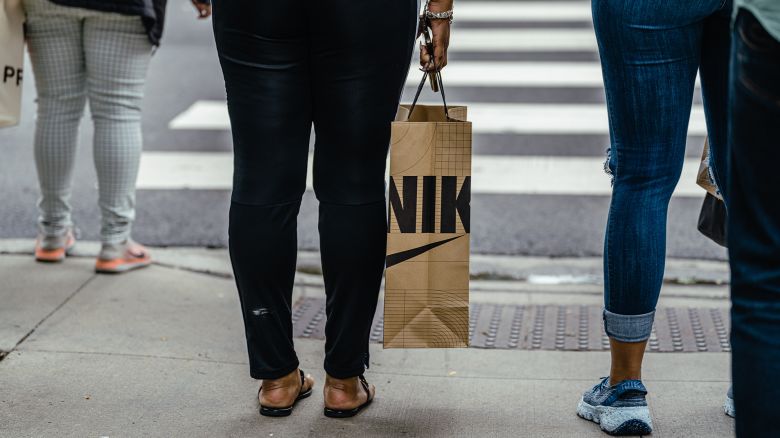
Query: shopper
96 51
754 216
650 52
341 67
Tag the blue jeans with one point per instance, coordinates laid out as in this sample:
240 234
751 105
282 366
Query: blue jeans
650 53
754 226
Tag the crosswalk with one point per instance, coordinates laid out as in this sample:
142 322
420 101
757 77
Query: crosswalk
529 72
559 58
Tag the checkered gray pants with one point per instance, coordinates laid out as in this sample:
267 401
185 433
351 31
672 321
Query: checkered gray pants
79 54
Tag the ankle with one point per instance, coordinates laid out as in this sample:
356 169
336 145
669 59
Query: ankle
626 363
617 376
291 380
345 385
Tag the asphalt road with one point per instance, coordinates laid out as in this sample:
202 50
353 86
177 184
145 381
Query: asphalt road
185 70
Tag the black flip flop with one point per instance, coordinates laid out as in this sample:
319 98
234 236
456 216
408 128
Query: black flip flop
284 412
338 413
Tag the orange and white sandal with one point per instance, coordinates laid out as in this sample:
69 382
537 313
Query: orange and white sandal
54 249
122 257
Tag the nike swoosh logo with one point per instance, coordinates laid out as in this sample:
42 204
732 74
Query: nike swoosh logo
400 257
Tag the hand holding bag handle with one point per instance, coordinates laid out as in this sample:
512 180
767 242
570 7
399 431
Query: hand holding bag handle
436 81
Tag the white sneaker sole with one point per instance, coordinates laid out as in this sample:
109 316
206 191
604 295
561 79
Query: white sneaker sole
618 421
728 407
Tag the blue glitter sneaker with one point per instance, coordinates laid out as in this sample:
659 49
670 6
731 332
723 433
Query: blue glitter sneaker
619 410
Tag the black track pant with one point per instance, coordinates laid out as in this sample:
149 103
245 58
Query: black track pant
340 65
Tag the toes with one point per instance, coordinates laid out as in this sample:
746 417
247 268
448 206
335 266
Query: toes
308 383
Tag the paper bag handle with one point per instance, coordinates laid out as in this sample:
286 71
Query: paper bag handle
438 80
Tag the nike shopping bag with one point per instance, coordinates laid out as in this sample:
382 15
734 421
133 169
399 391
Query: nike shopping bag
427 277
11 60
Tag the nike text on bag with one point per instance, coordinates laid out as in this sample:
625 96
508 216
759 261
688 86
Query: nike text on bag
427 278
11 60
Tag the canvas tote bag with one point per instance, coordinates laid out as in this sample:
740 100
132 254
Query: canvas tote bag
11 60
427 276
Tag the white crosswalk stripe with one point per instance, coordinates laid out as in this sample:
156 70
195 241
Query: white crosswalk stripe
512 175
538 11
523 40
493 118
518 74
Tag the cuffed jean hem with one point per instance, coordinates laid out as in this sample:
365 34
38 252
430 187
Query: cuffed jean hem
273 374
345 374
628 328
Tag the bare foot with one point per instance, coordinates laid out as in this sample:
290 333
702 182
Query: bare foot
281 393
345 394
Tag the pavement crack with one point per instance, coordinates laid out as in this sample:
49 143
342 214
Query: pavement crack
202 271
134 355
49 315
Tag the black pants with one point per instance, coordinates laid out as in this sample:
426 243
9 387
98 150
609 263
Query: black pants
341 66
754 225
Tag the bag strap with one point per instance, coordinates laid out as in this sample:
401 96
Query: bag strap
425 25
420 87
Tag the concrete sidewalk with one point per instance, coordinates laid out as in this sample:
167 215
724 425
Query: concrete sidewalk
160 352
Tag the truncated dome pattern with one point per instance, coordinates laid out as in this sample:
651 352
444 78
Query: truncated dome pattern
554 327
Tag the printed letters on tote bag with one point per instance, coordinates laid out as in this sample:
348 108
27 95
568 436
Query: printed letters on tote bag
11 60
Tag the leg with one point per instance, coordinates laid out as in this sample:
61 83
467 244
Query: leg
649 55
55 44
754 224
649 58
714 73
117 57
263 51
357 85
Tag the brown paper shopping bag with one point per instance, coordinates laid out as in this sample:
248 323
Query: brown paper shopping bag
712 218
704 178
11 60
427 277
